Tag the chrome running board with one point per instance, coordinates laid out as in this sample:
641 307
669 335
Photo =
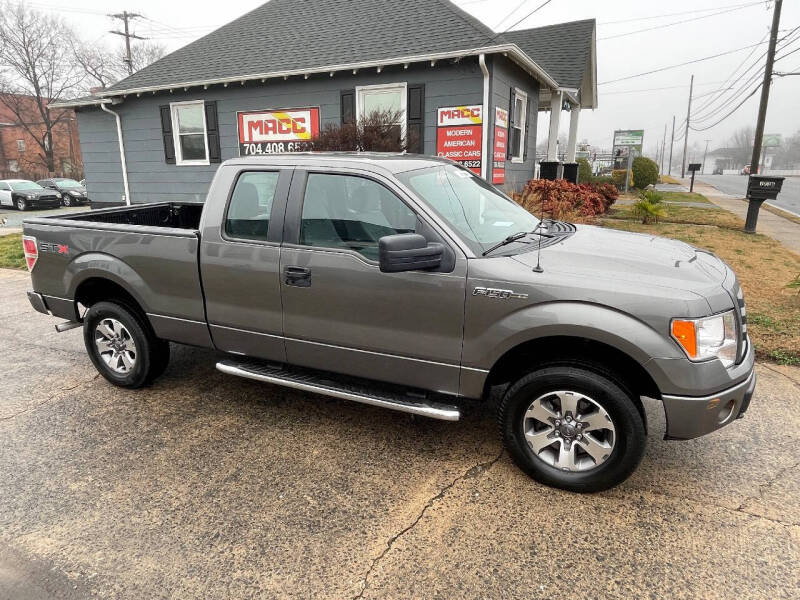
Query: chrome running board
311 381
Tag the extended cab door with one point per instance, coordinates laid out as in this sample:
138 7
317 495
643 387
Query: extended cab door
341 313
239 259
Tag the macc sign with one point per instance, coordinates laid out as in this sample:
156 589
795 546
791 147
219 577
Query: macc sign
271 131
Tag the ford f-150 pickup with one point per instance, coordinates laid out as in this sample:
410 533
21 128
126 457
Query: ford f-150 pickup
409 283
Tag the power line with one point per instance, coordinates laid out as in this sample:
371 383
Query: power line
665 15
670 87
673 23
691 62
737 107
515 9
535 10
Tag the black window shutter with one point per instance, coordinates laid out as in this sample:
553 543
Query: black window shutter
166 134
348 107
212 132
510 147
415 118
527 128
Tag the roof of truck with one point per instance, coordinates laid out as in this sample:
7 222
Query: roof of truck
393 162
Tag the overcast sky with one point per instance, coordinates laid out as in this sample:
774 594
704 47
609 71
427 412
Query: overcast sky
622 104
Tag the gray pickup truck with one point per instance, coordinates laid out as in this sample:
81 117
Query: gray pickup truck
409 283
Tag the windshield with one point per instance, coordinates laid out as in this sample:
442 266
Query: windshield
481 214
19 186
67 184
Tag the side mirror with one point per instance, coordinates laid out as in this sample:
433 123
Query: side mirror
408 252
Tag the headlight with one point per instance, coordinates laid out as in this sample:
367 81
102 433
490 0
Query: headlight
710 337
75 194
30 196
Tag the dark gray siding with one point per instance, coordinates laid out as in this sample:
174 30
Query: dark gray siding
505 75
152 179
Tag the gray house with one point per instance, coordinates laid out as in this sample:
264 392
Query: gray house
272 79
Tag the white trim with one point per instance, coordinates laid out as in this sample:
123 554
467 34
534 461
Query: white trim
176 134
517 94
513 51
401 86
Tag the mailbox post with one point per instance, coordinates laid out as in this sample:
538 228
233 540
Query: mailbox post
759 189
693 168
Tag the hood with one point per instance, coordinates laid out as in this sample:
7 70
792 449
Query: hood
621 256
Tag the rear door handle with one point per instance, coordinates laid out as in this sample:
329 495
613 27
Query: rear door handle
297 276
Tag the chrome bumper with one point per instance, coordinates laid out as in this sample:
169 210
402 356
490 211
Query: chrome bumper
37 302
689 417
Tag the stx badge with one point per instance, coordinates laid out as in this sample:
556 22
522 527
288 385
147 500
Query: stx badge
54 248
495 293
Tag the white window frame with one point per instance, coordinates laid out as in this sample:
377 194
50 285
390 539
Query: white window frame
20 145
518 93
173 109
402 86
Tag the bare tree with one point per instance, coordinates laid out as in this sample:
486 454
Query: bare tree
40 70
104 67
741 144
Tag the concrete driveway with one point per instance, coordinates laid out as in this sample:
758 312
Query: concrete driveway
206 486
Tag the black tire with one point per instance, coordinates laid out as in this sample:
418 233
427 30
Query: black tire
152 353
630 436
21 204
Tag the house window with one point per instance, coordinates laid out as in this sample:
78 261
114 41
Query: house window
517 120
189 130
13 166
383 98
20 145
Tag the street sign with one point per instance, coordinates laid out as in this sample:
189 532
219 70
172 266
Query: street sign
629 137
771 140
695 167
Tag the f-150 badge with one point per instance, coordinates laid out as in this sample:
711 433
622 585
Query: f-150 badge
496 293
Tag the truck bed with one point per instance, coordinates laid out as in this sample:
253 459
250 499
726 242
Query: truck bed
174 215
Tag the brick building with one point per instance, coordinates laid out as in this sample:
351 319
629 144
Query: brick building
22 157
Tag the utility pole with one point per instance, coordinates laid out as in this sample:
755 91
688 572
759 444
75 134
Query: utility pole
755 161
126 17
688 122
705 153
671 146
663 148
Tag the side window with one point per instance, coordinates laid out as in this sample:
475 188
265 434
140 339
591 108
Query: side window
345 211
4 187
251 204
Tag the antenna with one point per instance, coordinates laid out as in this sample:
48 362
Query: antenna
538 268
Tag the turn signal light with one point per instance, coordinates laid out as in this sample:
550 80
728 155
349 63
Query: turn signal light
684 333
30 250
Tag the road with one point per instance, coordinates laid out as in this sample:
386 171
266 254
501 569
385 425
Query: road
208 486
13 218
736 185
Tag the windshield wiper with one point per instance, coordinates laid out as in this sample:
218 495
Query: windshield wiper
515 238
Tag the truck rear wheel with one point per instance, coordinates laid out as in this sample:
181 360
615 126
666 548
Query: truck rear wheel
572 428
122 345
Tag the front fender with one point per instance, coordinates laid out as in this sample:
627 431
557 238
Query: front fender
484 346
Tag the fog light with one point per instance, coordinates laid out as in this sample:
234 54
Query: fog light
726 411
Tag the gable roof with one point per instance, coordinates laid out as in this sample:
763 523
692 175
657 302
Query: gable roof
284 38
298 35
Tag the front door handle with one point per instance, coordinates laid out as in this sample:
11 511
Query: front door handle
298 276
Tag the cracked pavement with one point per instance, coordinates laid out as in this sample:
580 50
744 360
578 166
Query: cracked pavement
208 486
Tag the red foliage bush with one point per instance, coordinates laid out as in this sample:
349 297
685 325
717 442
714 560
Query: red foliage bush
562 200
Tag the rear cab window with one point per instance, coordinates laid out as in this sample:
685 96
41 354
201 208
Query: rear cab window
250 205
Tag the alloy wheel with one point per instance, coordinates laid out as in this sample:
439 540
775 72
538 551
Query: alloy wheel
569 431
115 346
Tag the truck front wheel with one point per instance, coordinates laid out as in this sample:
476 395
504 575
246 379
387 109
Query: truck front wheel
572 428
122 345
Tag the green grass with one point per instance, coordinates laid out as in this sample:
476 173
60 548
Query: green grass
685 197
11 256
